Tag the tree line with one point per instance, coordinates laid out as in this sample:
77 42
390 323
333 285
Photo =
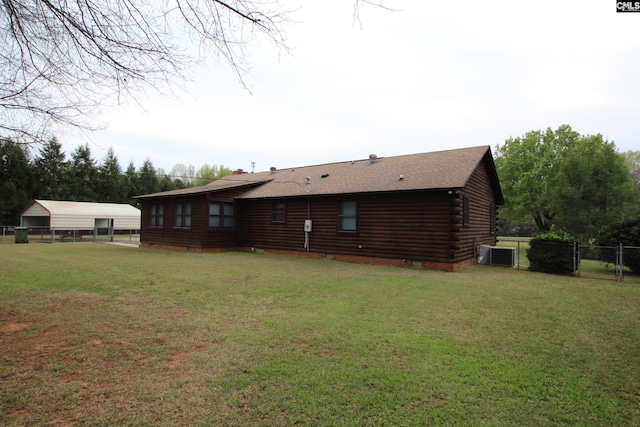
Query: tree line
564 182
552 180
50 175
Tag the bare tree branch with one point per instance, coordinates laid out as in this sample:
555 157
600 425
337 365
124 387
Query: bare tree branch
379 4
62 61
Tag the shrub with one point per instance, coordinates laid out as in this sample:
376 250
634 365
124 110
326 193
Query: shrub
551 253
626 232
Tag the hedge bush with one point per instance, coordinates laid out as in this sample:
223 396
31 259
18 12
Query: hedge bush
551 253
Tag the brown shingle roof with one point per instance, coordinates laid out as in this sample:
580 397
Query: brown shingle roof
436 170
426 171
225 183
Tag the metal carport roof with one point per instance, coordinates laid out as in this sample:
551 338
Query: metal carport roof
65 215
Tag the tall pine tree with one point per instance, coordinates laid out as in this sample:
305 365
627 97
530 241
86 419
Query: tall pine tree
131 184
51 171
147 178
16 181
83 175
110 186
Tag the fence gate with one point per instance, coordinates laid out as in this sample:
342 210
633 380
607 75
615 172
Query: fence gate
607 262
628 262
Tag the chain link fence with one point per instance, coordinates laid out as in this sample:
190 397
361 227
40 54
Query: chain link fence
44 234
621 263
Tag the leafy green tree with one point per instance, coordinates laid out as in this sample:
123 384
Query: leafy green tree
208 173
183 175
633 161
16 181
527 167
83 175
164 181
178 184
50 171
593 188
563 181
110 186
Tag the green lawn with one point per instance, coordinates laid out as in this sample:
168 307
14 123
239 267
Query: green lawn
93 334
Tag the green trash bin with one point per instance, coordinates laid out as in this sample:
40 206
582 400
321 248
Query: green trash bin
22 235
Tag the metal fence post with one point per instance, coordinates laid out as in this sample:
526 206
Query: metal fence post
617 263
621 260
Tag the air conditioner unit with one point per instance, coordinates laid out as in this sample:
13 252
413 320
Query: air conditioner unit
495 255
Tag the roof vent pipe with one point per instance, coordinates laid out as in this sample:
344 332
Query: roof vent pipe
273 170
373 158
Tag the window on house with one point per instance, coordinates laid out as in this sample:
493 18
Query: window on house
279 212
222 215
215 215
182 215
347 216
465 210
156 215
228 215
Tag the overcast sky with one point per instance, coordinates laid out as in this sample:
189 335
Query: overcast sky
430 76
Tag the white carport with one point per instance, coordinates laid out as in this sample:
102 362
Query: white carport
80 216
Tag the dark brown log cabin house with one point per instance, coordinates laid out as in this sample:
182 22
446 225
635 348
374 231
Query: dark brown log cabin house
429 210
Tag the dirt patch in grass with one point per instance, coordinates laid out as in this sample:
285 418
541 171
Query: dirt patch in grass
69 357
34 338
178 359
39 348
11 326
9 323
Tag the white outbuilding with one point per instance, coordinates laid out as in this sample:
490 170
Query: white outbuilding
57 215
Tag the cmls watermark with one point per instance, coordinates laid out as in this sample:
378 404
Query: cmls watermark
628 6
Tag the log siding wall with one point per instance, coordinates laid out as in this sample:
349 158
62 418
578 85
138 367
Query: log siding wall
415 226
419 226
199 236
478 230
